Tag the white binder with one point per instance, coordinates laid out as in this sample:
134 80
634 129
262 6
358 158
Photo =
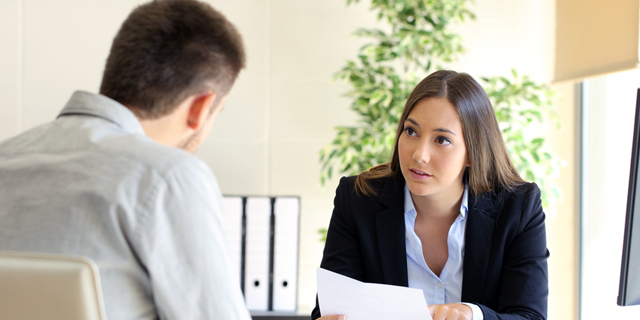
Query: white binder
285 264
256 277
233 230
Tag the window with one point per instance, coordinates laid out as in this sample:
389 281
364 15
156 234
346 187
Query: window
607 135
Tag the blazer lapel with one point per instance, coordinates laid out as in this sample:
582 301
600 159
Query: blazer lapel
390 235
479 236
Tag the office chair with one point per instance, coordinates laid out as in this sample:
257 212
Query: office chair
37 286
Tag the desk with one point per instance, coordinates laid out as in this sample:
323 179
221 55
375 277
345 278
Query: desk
281 317
271 315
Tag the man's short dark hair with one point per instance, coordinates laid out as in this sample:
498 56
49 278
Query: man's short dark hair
167 50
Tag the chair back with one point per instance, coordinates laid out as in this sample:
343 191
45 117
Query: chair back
37 286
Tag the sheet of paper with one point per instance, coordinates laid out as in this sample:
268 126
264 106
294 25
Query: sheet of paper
358 300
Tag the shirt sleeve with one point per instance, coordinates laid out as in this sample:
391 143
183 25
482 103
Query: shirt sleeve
183 247
477 312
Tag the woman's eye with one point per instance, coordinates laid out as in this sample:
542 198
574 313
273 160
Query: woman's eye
409 131
443 141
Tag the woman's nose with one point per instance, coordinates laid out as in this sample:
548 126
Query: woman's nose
422 154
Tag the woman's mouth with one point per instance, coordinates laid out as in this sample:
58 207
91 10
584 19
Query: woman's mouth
419 174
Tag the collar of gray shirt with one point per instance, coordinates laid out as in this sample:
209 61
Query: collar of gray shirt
97 105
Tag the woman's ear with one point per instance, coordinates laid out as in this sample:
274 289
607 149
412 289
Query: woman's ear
199 109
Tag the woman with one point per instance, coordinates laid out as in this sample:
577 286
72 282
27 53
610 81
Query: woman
449 213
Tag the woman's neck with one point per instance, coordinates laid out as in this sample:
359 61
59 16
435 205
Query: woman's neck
443 205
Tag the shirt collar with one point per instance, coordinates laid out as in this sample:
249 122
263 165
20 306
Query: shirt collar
410 208
97 105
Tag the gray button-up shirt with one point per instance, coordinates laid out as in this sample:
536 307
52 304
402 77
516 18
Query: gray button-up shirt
93 184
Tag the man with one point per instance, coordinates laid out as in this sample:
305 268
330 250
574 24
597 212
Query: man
114 178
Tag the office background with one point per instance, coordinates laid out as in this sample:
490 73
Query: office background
284 105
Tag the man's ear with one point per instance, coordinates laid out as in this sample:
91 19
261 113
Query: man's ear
199 109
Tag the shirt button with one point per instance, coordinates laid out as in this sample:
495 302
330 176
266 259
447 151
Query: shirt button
439 284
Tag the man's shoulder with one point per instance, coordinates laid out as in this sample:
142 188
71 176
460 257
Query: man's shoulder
174 167
159 157
98 143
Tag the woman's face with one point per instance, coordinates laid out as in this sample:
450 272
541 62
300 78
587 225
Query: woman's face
432 151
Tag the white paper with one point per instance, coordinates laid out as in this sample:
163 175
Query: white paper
358 300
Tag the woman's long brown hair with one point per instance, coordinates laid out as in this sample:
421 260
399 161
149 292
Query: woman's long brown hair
491 168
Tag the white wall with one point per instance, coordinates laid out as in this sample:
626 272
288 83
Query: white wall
283 106
10 68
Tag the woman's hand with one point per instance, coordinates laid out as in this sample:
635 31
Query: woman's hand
333 317
450 311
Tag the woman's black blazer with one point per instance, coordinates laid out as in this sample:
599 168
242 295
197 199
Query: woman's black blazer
505 258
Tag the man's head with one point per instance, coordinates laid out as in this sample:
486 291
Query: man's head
172 64
168 50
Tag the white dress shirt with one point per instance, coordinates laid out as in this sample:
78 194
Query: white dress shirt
447 288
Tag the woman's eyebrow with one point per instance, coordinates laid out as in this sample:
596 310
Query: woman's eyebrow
445 130
415 123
